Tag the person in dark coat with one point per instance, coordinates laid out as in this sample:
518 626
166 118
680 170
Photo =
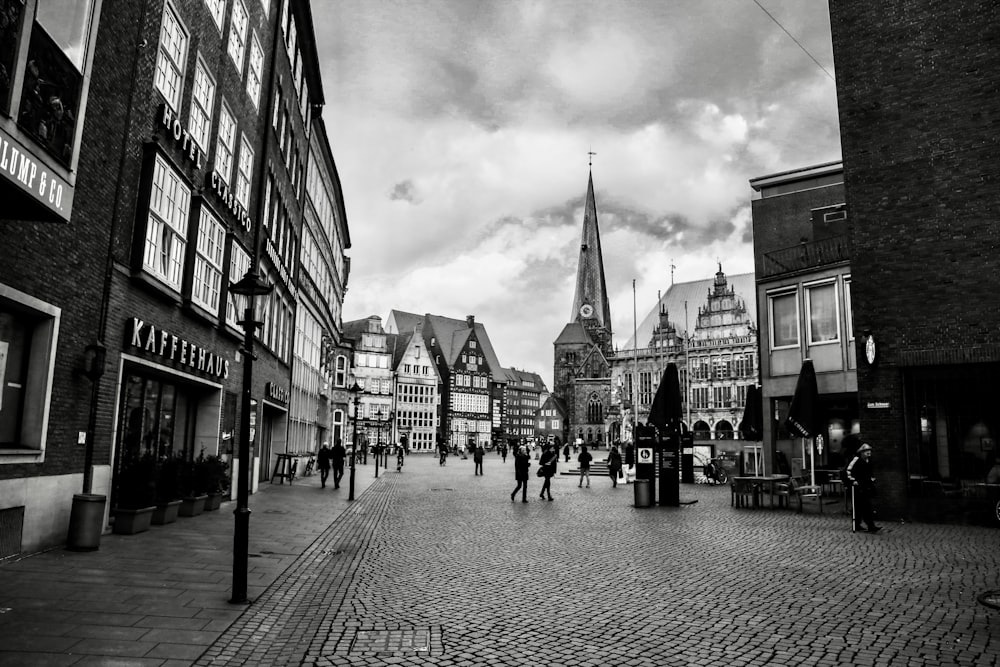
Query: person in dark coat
566 452
614 465
548 463
859 474
323 463
521 464
584 458
503 452
337 456
477 457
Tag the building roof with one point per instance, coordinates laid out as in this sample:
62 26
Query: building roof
520 376
574 332
355 328
451 335
397 344
695 294
590 284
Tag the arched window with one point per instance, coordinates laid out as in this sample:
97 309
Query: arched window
595 410
702 431
724 430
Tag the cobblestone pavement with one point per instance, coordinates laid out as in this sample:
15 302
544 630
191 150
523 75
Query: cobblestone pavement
436 566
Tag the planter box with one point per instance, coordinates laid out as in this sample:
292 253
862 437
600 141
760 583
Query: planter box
193 506
213 502
166 513
132 521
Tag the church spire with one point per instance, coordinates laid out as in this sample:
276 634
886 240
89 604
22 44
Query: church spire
590 303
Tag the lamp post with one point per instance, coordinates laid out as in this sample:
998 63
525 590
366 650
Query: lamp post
355 391
250 286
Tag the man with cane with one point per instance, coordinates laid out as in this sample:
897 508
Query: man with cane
859 475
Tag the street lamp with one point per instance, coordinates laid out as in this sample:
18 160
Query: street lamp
250 286
355 391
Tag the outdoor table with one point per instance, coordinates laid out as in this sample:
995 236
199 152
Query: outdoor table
754 487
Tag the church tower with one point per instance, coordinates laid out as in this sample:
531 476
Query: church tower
581 369
590 303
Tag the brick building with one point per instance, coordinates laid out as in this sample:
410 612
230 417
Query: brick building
524 395
918 101
192 163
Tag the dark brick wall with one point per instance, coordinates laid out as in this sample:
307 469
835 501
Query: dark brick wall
920 120
783 221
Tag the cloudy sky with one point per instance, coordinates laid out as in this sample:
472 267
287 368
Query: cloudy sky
461 131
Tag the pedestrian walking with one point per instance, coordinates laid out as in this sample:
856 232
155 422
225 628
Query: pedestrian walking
477 458
521 464
547 465
337 456
566 452
629 462
584 459
400 453
503 452
859 474
323 463
614 465
444 455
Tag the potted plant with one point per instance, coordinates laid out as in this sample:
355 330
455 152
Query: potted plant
167 490
135 495
193 492
214 474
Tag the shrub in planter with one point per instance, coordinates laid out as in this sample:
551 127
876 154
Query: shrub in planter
168 476
135 495
213 472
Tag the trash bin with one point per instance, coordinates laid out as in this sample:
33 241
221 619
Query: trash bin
643 497
86 522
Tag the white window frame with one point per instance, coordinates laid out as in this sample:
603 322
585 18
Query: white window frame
171 56
225 144
217 8
808 292
244 172
239 264
208 262
238 25
780 294
255 71
166 225
340 374
202 105
41 370
849 308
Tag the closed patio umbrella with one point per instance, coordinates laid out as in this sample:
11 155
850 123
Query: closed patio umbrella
803 414
752 425
666 411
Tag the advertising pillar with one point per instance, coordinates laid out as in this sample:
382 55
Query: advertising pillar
645 456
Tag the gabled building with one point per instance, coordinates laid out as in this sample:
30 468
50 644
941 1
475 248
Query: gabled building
472 378
373 371
417 413
551 420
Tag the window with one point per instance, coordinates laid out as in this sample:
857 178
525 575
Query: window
245 173
821 304
239 264
238 34
255 72
225 145
784 320
217 8
202 103
166 226
29 337
849 315
208 262
340 375
171 57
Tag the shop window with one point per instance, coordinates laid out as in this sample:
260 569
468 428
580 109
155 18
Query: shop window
225 145
238 34
208 262
171 56
202 103
11 15
784 320
29 330
821 305
166 225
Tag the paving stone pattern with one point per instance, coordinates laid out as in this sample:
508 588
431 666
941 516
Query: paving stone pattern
438 558
436 566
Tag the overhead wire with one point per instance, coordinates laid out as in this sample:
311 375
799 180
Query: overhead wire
804 49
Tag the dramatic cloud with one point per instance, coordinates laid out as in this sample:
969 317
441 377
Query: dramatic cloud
461 132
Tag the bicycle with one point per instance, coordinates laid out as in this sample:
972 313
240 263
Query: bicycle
714 472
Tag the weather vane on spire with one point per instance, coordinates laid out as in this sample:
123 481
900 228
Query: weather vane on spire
590 158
